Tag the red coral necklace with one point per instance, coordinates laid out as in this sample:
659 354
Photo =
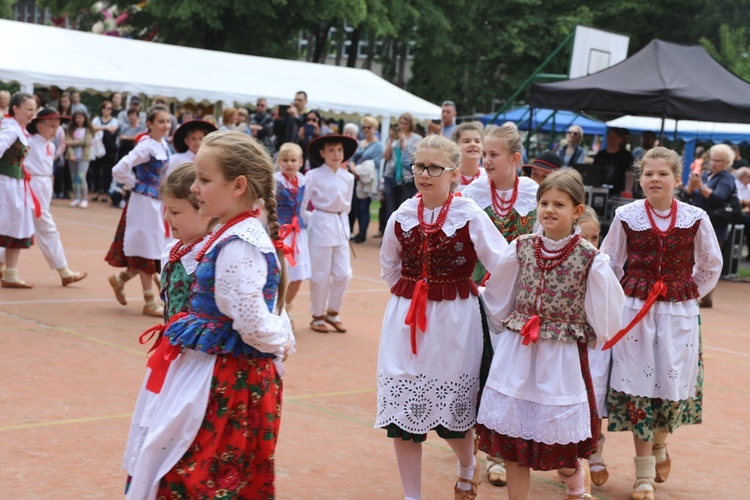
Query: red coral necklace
650 212
503 207
442 216
180 250
465 181
231 222
556 257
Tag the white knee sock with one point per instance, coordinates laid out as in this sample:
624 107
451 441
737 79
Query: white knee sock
409 458
466 473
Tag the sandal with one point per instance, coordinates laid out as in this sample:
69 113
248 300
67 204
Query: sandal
318 324
643 489
153 309
599 472
471 494
73 278
332 318
663 468
16 284
496 474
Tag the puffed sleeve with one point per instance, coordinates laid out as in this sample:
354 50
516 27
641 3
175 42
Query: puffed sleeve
615 245
708 258
8 136
123 171
488 242
499 296
604 300
241 272
390 254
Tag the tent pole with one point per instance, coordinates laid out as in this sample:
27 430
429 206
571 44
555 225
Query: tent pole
674 140
661 133
528 134
385 129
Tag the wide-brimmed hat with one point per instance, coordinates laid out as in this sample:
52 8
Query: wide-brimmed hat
178 140
548 161
317 144
45 114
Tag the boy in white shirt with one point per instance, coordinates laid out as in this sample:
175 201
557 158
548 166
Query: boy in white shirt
329 188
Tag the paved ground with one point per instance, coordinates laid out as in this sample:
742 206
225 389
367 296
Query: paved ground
71 367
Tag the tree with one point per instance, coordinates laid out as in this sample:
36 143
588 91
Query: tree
733 51
6 9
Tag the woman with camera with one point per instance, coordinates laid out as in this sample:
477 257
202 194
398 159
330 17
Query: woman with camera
399 154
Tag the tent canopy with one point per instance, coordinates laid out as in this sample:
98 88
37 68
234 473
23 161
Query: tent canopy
44 55
662 79
687 130
562 120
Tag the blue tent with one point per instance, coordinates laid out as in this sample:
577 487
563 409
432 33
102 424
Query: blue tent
544 117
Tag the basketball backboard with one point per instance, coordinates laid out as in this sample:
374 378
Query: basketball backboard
595 50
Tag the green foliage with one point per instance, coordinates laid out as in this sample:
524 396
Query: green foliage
470 51
6 9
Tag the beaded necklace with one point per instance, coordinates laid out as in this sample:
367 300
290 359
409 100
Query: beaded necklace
442 216
556 257
466 181
180 250
293 184
231 222
650 212
503 207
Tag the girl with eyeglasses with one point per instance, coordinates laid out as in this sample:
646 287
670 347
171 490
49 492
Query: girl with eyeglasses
430 248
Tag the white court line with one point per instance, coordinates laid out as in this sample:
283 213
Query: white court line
79 223
75 301
727 351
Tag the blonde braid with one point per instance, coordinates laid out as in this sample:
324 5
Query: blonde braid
273 231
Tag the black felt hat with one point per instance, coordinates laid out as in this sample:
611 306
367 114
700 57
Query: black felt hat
45 114
178 141
317 144
548 161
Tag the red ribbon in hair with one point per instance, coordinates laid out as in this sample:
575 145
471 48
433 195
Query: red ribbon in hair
416 317
530 331
163 356
659 290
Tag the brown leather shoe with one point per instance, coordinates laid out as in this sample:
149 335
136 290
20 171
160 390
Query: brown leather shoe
459 494
318 324
16 284
118 289
663 468
153 309
72 279
332 318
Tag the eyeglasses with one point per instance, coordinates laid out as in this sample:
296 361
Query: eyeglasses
432 170
573 132
107 107
366 127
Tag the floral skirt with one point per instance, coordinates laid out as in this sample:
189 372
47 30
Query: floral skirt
645 416
233 454
116 256
11 242
541 456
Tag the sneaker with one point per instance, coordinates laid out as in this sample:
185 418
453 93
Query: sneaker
75 203
84 204
122 204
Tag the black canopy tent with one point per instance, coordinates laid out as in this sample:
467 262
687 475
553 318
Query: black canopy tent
662 79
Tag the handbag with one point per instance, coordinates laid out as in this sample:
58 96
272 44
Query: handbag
729 212
97 146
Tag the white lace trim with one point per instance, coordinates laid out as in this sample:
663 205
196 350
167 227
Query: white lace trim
419 404
546 424
479 191
462 211
250 230
634 215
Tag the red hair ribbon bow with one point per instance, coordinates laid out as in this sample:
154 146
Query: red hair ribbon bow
530 331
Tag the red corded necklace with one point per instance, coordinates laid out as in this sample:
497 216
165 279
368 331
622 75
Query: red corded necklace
466 181
180 250
231 222
442 215
293 184
503 207
650 212
556 257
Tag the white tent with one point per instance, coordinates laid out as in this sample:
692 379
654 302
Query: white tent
44 55
687 130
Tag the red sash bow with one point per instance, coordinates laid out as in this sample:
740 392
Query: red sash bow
659 290
286 230
530 331
34 199
416 317
163 356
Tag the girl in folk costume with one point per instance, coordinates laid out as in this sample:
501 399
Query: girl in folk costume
290 189
39 167
189 228
141 234
215 429
600 364
469 139
508 199
430 247
672 257
538 408
18 204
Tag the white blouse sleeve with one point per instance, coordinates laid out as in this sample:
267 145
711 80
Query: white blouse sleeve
489 244
8 136
241 272
615 245
390 254
604 300
499 296
309 182
123 171
708 258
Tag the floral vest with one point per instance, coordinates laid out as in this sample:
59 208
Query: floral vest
148 176
556 296
11 163
673 264
175 292
206 328
289 205
447 264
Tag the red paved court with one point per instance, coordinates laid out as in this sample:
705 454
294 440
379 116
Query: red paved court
71 367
